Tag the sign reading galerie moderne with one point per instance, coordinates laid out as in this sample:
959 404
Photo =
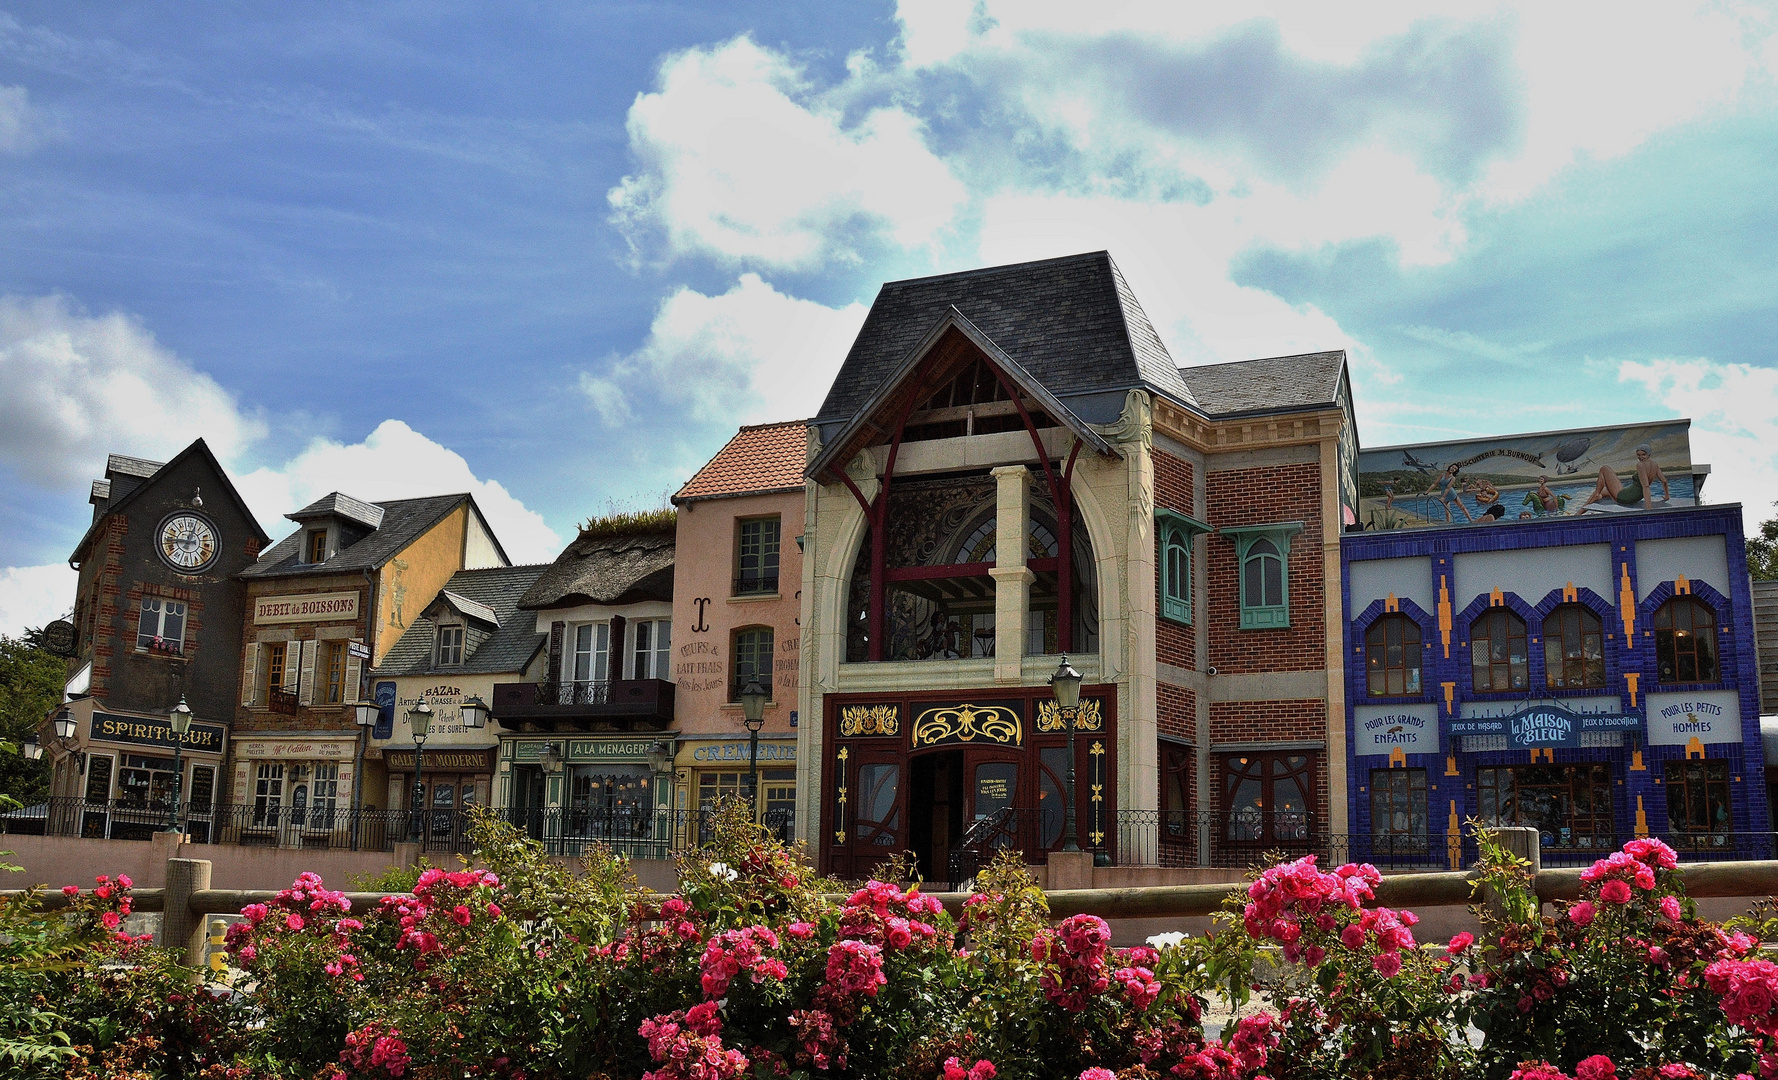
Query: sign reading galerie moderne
1709 716
304 607
109 727
1383 729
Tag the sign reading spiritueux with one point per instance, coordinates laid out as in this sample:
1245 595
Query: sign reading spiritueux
109 727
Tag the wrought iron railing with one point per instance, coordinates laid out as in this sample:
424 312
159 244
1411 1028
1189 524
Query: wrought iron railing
639 833
571 692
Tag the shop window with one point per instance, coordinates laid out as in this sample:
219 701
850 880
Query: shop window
1685 641
756 556
1392 656
753 660
1266 797
1398 811
1573 648
268 794
1176 775
777 791
1698 796
611 800
162 626
450 646
336 672
145 782
654 638
1497 654
1569 805
275 656
317 546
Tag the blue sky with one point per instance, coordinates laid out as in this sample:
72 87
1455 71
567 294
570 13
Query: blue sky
554 254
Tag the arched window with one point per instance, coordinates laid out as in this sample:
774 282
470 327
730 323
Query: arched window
753 660
1573 648
1497 656
1176 576
1392 656
1685 641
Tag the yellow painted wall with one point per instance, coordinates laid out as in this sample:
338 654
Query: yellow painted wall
409 581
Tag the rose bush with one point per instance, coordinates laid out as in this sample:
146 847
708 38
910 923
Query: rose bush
524 969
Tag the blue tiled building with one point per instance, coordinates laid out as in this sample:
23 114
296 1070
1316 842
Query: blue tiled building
1591 676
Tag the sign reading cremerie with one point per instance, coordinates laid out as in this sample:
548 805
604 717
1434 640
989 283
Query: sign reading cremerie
108 727
305 607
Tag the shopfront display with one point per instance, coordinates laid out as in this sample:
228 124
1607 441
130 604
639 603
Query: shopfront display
955 776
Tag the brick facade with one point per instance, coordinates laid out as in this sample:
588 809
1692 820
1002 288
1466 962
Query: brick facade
1177 710
1174 644
1255 496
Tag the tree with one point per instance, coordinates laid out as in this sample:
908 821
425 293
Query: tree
31 680
1762 551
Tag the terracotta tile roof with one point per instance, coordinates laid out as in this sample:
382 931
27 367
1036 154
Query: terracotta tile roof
762 457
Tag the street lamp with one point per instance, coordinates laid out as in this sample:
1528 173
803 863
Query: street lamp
30 748
475 713
365 713
1066 684
180 717
65 724
753 714
660 760
552 758
419 719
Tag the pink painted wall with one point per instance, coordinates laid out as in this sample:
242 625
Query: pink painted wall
704 567
64 860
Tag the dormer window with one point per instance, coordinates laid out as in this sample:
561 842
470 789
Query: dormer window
316 546
450 646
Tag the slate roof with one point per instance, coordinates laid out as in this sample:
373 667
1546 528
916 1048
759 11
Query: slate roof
605 569
131 466
470 608
510 646
1072 323
126 477
339 504
1267 385
403 522
760 458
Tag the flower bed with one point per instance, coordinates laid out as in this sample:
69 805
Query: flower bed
521 969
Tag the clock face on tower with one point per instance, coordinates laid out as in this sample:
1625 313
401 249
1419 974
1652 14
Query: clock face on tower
187 542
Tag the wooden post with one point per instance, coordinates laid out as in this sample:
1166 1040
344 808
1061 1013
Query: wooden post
181 927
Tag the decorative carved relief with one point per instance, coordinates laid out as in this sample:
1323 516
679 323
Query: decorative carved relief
858 720
1088 718
969 723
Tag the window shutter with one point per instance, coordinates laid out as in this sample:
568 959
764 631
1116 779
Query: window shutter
293 655
250 673
615 666
354 673
556 630
305 690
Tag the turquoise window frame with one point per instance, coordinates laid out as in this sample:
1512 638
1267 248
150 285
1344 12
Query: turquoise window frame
1176 530
1246 538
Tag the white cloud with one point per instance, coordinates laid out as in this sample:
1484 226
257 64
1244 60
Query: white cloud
394 462
18 127
33 595
79 386
749 355
742 160
1734 414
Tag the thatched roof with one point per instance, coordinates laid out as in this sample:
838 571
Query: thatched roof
601 567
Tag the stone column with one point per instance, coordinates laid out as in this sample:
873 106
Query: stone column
1012 578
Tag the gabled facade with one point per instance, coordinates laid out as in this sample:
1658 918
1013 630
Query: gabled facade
1010 468
603 698
157 615
736 606
325 605
470 637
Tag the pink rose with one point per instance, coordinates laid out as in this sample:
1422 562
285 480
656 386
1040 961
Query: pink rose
110 919
1582 913
1614 892
1097 1073
1670 908
124 880
1353 936
70 891
293 921
1459 943
460 915
1387 964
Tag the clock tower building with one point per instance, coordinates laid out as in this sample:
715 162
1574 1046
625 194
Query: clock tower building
157 617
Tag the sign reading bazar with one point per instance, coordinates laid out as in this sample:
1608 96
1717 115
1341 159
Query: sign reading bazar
1545 725
305 607
109 727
